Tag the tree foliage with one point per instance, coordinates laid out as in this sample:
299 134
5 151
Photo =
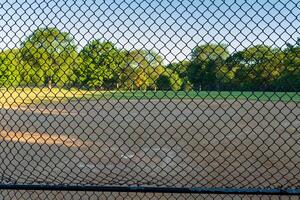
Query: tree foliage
48 57
255 67
101 64
10 67
143 67
289 79
181 68
206 60
169 80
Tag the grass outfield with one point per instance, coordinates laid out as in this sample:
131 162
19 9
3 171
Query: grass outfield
260 96
20 96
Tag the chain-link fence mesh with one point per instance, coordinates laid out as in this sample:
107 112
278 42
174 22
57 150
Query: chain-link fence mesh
191 95
82 195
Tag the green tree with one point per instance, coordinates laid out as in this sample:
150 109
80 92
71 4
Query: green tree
169 80
206 60
101 65
181 68
10 67
257 67
227 73
48 56
144 67
208 52
289 79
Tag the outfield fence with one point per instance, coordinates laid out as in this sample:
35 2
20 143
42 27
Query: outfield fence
146 99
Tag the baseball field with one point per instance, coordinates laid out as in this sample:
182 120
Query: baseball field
194 139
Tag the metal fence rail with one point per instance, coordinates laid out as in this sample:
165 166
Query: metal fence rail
149 99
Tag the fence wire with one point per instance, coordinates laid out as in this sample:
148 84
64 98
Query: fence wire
83 195
149 99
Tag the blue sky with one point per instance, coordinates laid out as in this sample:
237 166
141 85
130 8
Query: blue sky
170 27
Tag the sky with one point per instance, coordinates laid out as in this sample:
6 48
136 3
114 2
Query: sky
170 27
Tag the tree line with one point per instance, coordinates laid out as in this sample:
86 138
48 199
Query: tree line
49 57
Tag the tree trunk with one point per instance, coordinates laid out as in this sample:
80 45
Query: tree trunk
50 83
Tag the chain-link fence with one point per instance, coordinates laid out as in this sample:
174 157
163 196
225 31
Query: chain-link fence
82 195
146 99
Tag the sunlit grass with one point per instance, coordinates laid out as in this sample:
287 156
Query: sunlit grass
256 96
25 96
33 96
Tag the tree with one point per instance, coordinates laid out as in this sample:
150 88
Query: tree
48 56
289 79
206 60
10 67
227 73
144 67
102 62
209 52
256 67
163 82
181 68
169 80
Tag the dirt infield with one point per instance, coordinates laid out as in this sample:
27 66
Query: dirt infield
183 143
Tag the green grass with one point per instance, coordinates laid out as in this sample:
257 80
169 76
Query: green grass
259 96
25 96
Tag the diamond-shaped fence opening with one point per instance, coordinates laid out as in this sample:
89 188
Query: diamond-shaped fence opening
149 99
